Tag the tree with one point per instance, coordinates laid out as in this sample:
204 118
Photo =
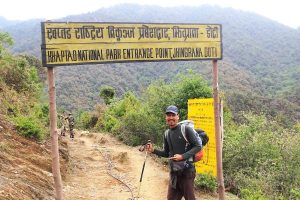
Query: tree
107 93
190 86
5 39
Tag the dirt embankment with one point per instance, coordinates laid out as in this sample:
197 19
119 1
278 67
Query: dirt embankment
25 166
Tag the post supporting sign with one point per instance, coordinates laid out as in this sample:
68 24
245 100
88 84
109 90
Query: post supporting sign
66 43
219 155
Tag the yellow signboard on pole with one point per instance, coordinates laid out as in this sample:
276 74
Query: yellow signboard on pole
70 43
201 111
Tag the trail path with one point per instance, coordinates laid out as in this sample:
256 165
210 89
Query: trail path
93 155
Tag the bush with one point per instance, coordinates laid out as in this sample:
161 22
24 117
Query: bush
86 120
190 86
29 127
252 195
107 93
206 182
261 156
295 193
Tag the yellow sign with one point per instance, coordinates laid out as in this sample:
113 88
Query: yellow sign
72 43
201 111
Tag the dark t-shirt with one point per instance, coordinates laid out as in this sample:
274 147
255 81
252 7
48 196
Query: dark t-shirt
178 143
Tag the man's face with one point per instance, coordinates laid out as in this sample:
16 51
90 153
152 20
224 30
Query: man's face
172 119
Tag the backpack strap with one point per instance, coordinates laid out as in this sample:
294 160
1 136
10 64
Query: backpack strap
167 136
185 138
183 133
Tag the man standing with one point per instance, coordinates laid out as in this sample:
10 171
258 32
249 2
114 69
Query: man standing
64 122
182 172
71 125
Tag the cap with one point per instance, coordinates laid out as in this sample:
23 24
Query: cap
172 109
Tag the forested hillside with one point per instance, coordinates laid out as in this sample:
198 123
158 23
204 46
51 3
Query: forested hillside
260 58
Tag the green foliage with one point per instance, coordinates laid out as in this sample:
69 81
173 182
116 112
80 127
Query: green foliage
20 76
33 61
41 112
99 113
137 120
86 120
30 127
20 92
140 127
117 113
190 86
155 99
5 39
295 193
252 195
261 156
107 93
206 182
284 112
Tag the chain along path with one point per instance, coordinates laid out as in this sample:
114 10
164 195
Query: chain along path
101 167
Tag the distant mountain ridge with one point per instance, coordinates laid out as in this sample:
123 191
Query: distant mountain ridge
260 55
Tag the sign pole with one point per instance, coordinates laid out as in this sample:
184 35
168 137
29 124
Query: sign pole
54 135
221 188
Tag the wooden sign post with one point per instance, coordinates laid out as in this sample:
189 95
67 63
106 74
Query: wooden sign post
54 135
221 188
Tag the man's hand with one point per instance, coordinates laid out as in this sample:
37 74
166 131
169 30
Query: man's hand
176 157
149 147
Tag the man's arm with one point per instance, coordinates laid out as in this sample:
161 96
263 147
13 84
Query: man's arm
162 153
193 141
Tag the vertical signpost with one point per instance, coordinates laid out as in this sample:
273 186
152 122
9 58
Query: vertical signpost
221 189
78 43
54 135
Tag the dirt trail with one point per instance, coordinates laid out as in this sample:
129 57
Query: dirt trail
91 157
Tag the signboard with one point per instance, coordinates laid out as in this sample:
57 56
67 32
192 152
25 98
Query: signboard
70 43
201 111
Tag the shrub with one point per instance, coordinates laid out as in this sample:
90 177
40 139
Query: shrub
261 156
107 93
252 195
86 120
29 127
295 193
190 86
206 182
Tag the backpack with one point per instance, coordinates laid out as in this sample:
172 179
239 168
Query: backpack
200 135
71 120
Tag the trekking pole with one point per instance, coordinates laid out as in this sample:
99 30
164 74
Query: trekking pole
141 178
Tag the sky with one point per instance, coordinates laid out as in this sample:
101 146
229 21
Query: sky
285 12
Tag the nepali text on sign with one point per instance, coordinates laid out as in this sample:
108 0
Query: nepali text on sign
88 43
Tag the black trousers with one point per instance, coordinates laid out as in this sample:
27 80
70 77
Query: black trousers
184 186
